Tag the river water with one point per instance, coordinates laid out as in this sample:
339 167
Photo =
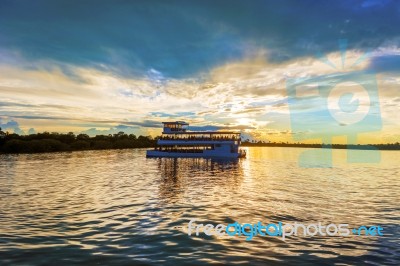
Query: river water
118 207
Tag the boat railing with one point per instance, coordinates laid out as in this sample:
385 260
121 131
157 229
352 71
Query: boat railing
185 150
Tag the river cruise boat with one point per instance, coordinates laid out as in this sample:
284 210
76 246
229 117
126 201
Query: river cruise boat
177 141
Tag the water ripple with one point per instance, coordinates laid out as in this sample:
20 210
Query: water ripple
117 207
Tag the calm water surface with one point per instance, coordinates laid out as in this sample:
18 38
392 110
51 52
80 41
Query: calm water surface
117 207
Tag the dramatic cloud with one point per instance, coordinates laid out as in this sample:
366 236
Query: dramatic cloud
11 126
180 38
100 67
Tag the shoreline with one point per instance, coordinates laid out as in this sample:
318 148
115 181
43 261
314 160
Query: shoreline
306 146
61 142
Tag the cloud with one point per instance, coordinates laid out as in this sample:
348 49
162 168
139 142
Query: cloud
11 125
180 39
100 66
227 95
113 130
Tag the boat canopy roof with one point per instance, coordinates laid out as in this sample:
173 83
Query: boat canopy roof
179 127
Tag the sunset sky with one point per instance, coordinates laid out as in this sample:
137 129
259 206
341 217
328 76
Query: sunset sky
100 67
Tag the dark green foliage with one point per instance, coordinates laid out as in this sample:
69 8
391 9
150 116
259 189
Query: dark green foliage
33 146
53 142
102 145
80 145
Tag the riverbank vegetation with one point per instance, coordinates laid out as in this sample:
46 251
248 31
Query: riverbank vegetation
55 142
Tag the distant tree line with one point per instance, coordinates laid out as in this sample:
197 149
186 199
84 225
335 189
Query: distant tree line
388 146
53 142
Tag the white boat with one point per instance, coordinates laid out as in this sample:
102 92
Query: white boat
177 141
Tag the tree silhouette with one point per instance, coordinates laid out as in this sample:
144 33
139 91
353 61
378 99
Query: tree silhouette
50 142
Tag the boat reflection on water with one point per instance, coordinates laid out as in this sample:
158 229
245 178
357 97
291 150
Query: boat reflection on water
197 175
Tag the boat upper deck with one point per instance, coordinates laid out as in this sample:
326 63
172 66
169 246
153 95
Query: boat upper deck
175 131
201 135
